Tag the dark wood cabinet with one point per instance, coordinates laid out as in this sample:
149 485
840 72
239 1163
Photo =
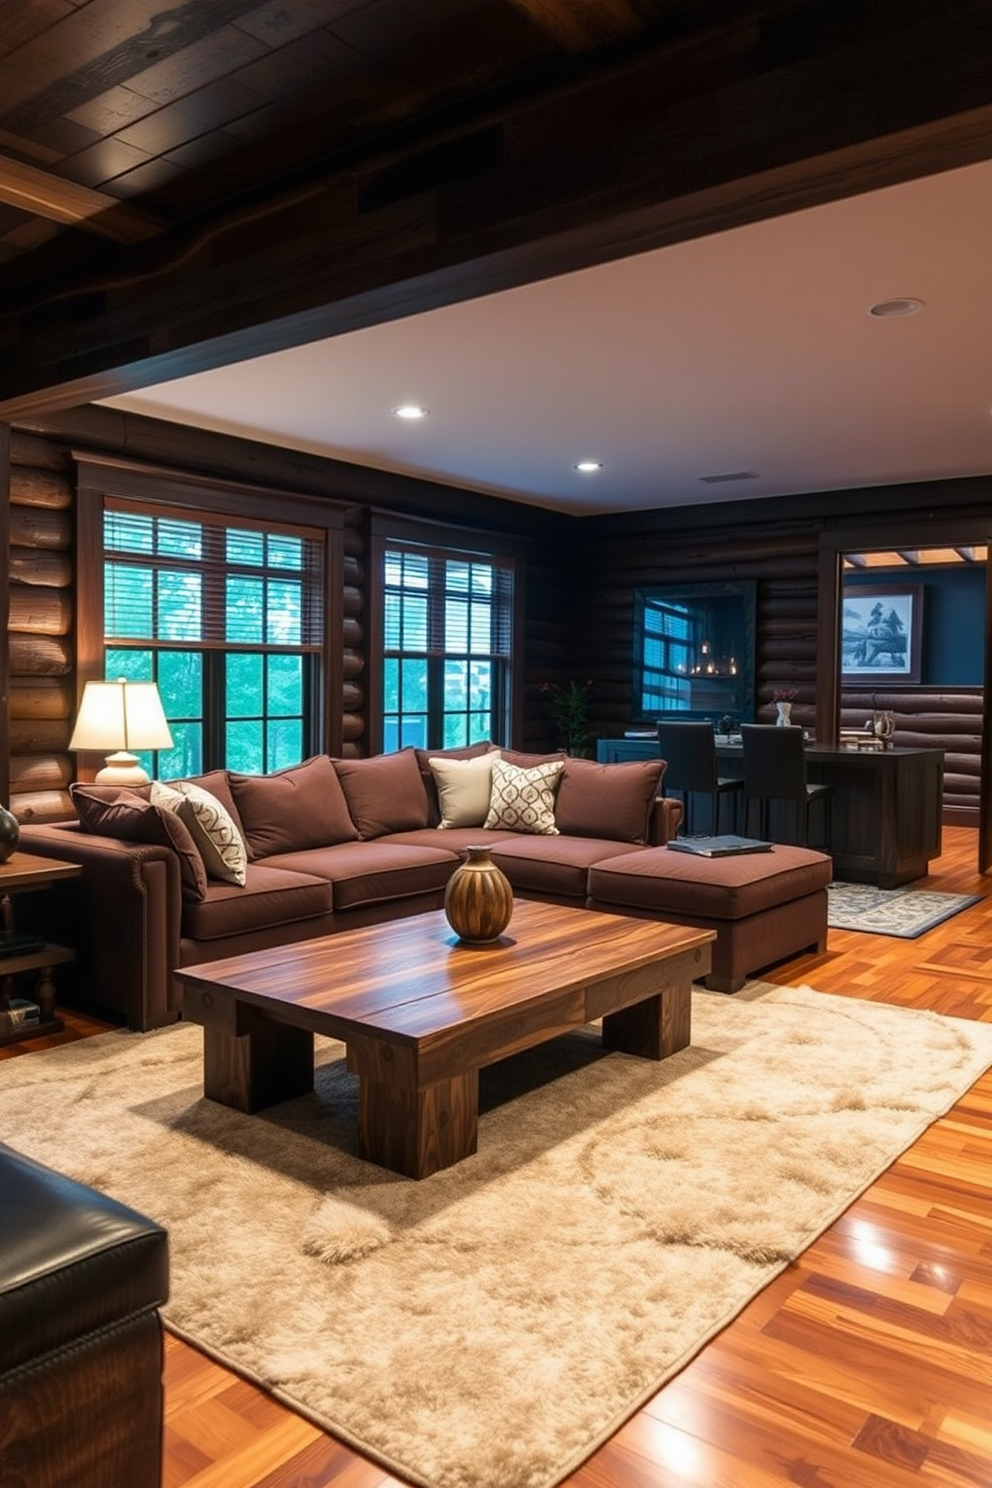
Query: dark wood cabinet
885 812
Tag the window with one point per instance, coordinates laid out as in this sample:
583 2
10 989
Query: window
694 649
668 649
447 637
224 609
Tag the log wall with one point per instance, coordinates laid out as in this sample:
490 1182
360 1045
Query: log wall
784 566
950 720
41 640
784 571
40 659
577 613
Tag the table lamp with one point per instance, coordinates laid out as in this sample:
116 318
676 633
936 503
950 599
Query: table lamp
121 716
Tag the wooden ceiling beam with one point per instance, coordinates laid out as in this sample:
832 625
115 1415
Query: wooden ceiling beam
699 138
59 200
581 24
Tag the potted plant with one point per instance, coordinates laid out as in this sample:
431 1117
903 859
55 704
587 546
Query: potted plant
568 707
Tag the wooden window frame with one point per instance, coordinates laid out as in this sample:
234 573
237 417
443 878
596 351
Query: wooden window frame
193 496
454 542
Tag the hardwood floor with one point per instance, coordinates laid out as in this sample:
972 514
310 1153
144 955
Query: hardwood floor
865 1365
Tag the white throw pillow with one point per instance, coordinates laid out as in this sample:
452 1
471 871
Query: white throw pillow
523 800
464 788
211 827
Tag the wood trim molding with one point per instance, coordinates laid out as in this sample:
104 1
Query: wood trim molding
879 100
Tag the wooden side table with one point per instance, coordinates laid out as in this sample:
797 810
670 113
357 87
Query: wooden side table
22 873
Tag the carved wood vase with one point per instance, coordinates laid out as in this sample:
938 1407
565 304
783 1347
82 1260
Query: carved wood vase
479 899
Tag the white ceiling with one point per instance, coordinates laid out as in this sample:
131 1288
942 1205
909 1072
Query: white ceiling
751 350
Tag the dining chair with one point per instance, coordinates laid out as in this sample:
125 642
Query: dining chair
775 770
689 751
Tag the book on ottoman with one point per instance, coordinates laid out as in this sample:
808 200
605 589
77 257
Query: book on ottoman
726 846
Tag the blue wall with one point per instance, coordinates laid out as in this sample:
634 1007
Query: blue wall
953 620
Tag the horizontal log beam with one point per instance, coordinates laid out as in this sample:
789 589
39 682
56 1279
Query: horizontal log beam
700 136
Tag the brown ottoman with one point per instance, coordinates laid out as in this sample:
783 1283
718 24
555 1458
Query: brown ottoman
763 906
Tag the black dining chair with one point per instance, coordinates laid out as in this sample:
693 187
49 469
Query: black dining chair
775 770
689 750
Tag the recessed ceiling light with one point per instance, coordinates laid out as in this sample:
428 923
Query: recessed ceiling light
410 411
895 309
588 467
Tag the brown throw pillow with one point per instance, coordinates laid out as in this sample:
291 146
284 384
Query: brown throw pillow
526 761
612 801
115 811
292 809
384 793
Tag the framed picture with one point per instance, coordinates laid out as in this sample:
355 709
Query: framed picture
881 630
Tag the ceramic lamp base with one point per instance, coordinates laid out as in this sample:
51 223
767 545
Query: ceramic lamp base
122 768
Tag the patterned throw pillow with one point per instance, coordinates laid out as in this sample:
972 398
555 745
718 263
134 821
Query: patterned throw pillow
524 800
210 825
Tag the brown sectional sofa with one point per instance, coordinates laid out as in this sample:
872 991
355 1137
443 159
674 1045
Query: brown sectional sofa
333 844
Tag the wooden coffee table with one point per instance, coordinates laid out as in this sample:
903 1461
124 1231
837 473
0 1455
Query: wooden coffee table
421 1013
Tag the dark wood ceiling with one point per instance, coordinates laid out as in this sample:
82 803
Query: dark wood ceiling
181 186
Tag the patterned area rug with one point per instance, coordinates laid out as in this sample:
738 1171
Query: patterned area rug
906 912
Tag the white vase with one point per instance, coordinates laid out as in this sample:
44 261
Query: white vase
784 714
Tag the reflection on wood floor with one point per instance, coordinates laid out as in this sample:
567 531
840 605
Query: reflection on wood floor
867 1364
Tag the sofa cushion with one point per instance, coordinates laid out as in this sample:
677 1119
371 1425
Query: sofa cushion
299 807
612 801
526 761
211 827
729 888
385 793
129 815
454 840
361 873
270 897
557 866
523 800
464 788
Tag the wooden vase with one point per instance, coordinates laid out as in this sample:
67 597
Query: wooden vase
479 899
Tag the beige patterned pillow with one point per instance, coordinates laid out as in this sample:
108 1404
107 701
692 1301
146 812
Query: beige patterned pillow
464 789
220 844
523 800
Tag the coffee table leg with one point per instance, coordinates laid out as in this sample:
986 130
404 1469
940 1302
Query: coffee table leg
249 1071
654 1028
418 1132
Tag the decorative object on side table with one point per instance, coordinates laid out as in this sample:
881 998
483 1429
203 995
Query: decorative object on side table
10 833
883 724
478 901
783 698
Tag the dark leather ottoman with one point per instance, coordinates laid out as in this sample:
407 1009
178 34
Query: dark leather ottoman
764 906
81 1281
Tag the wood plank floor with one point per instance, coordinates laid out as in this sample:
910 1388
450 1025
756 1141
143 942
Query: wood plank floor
867 1364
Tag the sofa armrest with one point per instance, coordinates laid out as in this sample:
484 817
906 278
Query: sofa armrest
664 821
121 916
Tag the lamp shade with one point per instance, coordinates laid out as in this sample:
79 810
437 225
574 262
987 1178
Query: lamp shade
121 716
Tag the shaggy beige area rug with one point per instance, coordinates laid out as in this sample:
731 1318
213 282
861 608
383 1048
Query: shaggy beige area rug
490 1326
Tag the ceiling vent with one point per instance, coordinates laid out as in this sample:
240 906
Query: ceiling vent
732 475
